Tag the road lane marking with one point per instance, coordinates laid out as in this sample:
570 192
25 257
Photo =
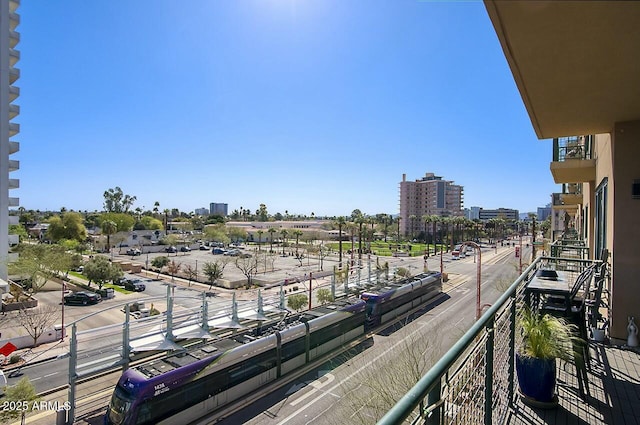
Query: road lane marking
358 371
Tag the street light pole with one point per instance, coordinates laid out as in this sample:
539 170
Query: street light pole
62 330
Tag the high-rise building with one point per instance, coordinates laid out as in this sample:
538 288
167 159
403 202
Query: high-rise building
218 209
430 195
504 213
9 56
201 211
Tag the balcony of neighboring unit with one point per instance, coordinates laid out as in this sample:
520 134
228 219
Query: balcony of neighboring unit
560 204
13 129
14 240
573 159
12 257
14 20
14 111
14 92
14 147
14 74
14 165
14 38
14 219
14 57
571 193
14 184
13 5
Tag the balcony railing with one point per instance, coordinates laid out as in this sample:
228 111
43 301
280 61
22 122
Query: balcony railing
464 387
572 188
574 147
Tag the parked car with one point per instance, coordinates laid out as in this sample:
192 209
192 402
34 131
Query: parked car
82 298
134 285
218 251
233 252
203 248
185 249
171 249
133 252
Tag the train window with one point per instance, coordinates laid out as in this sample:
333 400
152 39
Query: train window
292 349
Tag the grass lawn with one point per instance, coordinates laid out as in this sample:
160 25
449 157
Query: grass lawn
388 248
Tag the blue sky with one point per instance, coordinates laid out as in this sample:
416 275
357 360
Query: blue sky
305 106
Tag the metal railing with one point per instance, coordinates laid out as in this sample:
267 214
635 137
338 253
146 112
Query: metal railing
569 248
570 148
464 387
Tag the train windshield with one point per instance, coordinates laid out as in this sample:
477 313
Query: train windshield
119 406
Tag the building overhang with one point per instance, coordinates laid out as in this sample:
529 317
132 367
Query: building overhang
576 63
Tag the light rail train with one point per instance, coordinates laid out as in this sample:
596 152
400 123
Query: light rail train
183 387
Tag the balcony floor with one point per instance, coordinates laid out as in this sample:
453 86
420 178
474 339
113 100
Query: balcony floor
614 392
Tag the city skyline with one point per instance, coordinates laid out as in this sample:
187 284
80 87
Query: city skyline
303 107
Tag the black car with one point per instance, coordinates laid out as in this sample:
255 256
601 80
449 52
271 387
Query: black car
171 249
134 285
185 249
82 298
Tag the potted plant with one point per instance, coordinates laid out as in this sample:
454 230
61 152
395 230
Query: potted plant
545 338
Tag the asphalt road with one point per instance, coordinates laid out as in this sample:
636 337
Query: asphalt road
317 391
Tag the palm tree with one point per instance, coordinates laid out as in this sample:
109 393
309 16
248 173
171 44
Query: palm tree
284 233
384 218
108 227
340 222
445 223
260 232
412 219
297 233
360 221
271 231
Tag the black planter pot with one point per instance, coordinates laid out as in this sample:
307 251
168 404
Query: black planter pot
537 380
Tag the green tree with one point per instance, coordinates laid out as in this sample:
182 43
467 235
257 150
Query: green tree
262 213
100 270
159 263
217 233
108 228
69 226
116 201
213 271
237 234
17 229
324 295
151 223
22 397
40 262
297 301
124 222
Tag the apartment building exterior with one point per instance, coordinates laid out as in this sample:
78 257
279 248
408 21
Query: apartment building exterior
430 195
219 209
9 92
577 68
503 213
